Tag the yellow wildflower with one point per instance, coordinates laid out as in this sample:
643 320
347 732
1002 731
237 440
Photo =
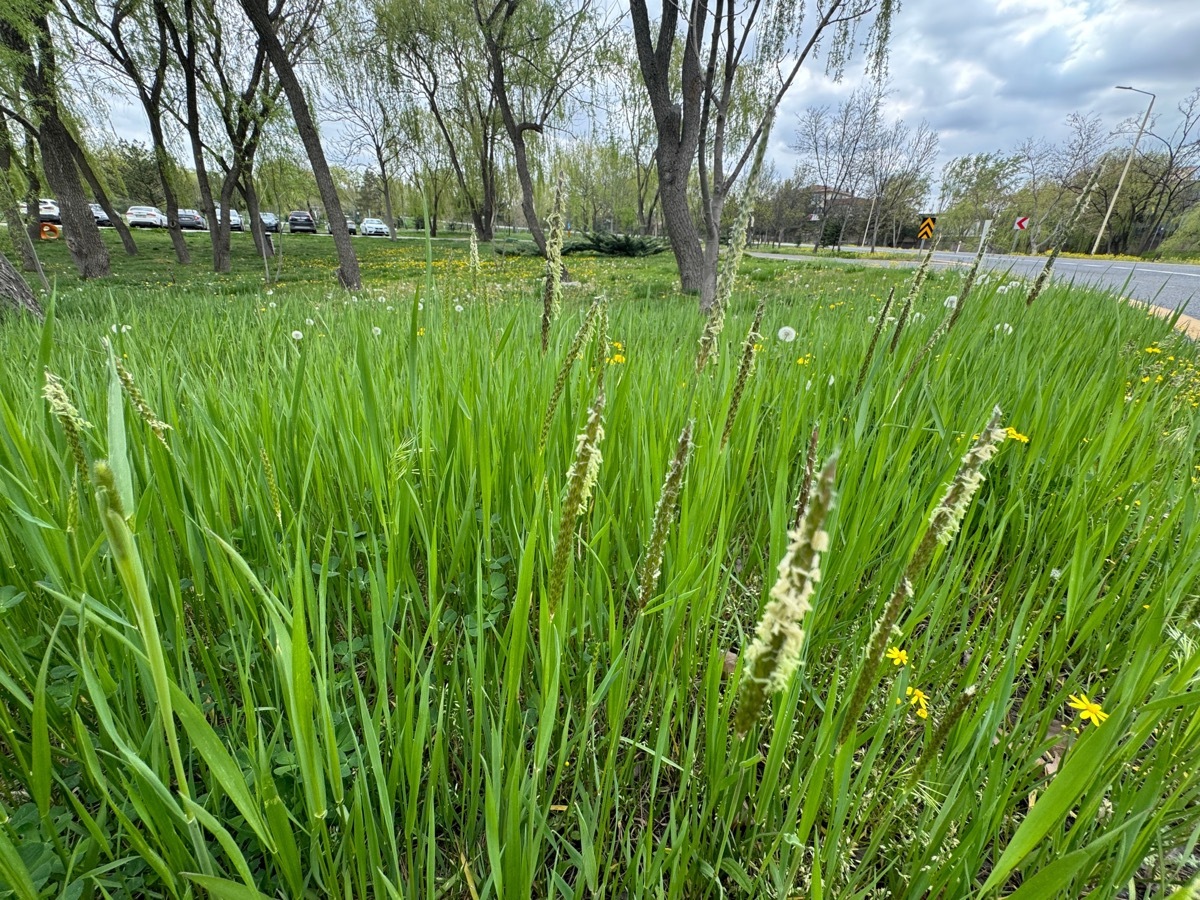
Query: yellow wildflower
919 699
1153 350
897 656
1016 435
616 359
420 332
1088 709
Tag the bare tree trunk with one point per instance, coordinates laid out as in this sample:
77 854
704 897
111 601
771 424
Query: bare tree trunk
12 215
264 25
101 196
15 292
87 248
387 208
262 240
170 199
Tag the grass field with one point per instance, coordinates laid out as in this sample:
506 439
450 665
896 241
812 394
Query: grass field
303 641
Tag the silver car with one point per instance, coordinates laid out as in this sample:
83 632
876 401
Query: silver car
145 217
374 227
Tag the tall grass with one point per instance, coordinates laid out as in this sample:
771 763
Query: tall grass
365 694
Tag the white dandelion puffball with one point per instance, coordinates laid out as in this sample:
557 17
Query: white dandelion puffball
114 329
1003 327
1055 574
297 335
390 308
381 300
271 304
377 331
308 321
831 381
951 302
270 293
458 307
420 305
918 316
787 334
871 320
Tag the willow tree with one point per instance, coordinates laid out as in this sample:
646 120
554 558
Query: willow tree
712 93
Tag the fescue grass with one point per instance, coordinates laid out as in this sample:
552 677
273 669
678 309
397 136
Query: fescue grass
305 647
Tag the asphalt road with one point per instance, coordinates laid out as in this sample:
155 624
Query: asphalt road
1170 285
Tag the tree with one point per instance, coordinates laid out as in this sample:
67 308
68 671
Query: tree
899 166
33 54
436 49
133 39
15 293
538 52
268 23
368 106
735 63
836 143
1054 175
975 188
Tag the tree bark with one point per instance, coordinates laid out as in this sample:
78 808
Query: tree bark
12 215
264 26
262 240
83 239
15 292
101 196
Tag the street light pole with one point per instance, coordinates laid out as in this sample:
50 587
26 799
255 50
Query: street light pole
1125 171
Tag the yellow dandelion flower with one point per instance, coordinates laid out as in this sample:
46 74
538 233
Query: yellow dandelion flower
919 699
420 332
1015 435
897 656
1088 709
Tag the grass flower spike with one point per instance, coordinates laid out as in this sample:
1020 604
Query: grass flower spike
663 514
552 295
774 654
946 519
581 479
157 425
745 369
737 245
73 424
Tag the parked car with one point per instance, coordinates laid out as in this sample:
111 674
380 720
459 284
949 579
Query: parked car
299 220
145 217
270 222
48 211
375 228
235 219
351 226
192 220
100 215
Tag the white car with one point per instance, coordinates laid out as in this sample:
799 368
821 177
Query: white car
374 227
146 217
235 219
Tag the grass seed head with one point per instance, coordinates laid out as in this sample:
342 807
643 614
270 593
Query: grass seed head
663 513
73 424
774 654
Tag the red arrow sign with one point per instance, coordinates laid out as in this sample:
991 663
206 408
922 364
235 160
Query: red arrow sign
1022 223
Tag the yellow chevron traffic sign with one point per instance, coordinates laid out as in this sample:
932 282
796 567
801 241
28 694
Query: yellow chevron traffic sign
925 232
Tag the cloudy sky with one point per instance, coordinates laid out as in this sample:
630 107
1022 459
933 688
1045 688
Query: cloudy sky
988 73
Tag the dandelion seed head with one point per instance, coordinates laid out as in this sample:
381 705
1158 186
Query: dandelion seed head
377 331
952 301
297 335
787 334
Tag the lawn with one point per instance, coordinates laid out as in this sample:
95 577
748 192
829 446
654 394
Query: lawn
303 634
